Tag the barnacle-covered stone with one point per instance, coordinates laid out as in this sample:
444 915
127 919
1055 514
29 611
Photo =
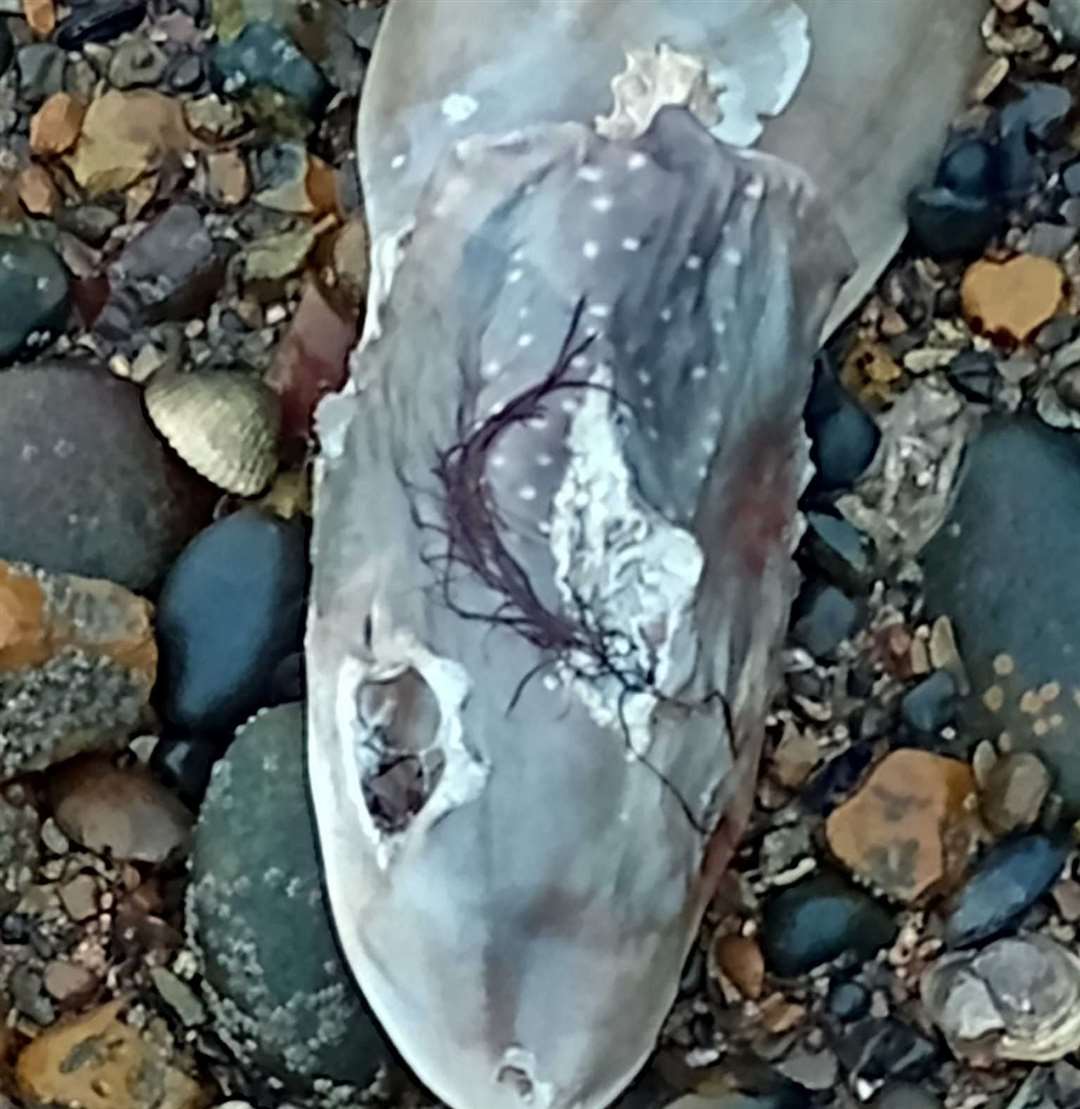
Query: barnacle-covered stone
86 487
276 986
223 423
1018 998
77 662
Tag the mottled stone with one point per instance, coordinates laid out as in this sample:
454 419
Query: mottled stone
818 919
65 1065
1015 789
1008 881
86 487
909 829
1003 568
824 617
277 988
35 292
56 629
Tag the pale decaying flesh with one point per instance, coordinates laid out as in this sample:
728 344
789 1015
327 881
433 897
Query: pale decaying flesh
552 565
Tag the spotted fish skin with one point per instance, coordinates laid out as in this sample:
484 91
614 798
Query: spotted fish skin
553 528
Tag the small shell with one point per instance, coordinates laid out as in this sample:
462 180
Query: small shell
223 424
1018 998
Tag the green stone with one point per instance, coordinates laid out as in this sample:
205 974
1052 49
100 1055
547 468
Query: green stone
276 986
35 294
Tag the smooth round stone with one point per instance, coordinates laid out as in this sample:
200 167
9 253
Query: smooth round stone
278 990
818 919
968 169
904 1095
843 435
930 705
35 292
949 224
86 487
230 611
1010 878
1004 567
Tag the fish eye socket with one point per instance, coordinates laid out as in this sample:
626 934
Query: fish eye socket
402 761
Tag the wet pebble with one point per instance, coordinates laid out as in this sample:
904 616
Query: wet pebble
171 271
291 1006
974 374
947 224
41 68
264 56
137 63
815 920
230 610
35 291
839 549
848 1001
883 1047
843 435
904 1095
123 811
1015 789
86 487
99 21
930 705
1002 566
1009 879
824 617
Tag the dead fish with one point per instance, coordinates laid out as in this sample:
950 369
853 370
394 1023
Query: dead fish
552 564
555 513
862 105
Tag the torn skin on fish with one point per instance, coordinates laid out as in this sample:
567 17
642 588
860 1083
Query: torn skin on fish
554 522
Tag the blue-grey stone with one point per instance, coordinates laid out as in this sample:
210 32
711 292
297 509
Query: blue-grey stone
230 611
264 56
839 549
824 618
1003 567
843 435
1010 878
818 919
931 704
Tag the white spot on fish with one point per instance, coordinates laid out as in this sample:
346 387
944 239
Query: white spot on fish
458 107
397 161
523 312
526 340
693 262
699 373
551 683
544 527
591 249
544 459
592 174
703 472
602 203
755 189
719 326
527 492
652 433
498 461
518 255
601 311
569 405
491 369
714 416
578 362
636 161
514 276
630 243
644 377
648 403
666 314
732 256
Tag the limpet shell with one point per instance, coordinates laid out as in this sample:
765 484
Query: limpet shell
224 424
1017 998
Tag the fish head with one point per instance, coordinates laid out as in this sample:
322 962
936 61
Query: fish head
554 520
